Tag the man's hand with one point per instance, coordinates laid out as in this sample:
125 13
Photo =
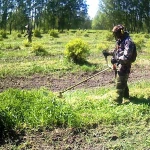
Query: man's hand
105 53
114 61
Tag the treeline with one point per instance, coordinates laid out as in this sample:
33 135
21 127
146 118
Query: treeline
43 14
72 14
134 14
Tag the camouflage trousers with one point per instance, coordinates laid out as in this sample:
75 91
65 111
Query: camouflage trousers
122 90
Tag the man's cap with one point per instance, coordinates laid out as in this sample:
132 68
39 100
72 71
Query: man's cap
118 28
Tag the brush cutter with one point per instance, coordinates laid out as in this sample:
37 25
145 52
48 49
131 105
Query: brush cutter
69 88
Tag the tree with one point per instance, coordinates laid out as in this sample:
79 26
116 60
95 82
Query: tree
46 14
134 14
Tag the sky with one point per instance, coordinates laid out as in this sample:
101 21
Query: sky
93 7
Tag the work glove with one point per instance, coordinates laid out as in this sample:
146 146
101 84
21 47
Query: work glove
105 53
114 61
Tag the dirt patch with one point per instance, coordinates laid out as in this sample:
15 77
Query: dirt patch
56 83
94 138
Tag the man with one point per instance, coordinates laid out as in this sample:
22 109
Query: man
121 60
29 33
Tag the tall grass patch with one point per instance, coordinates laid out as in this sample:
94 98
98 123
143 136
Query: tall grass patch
34 109
42 108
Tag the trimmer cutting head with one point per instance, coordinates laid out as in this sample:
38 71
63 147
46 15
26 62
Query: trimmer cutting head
60 95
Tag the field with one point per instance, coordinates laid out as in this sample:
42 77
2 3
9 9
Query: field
34 117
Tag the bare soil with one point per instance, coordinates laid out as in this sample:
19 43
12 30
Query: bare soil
60 83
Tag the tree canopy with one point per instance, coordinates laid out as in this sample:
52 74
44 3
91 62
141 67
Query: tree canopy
134 14
43 14
72 14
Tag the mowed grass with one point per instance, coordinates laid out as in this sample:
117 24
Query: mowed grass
16 59
30 110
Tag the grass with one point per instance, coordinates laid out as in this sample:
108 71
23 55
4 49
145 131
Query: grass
28 110
54 46
41 108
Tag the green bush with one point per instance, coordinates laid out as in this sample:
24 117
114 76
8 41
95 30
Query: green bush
77 50
146 35
19 35
3 34
54 33
139 43
37 33
39 50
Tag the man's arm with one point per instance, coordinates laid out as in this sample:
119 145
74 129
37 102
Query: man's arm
128 50
107 53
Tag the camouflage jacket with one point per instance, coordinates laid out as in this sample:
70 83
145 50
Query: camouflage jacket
123 53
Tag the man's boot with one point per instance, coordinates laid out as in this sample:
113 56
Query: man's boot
126 92
119 97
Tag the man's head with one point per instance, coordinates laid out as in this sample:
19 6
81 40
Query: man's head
118 31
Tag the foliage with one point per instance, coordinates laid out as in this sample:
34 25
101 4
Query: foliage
77 50
37 33
120 127
14 51
48 15
139 43
123 12
41 108
26 43
39 50
19 35
54 33
3 34
109 36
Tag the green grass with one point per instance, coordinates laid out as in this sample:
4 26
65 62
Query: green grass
29 110
41 108
13 52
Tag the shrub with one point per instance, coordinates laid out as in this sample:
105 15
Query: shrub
54 33
19 35
39 50
139 43
3 34
26 43
77 50
146 35
37 33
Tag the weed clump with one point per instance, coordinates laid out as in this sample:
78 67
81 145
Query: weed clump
54 33
37 33
3 34
26 43
39 50
77 50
